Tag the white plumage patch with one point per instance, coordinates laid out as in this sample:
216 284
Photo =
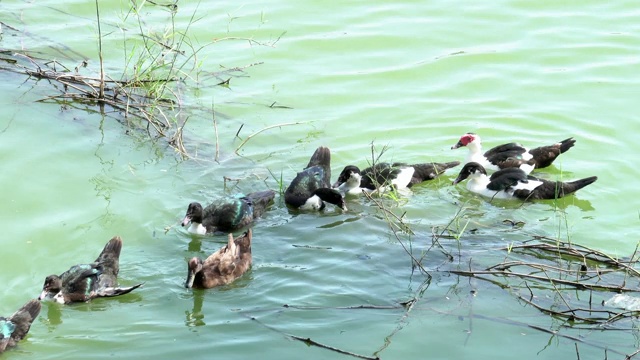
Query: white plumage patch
532 184
312 203
403 178
478 182
352 185
197 228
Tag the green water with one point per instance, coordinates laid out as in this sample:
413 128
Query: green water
411 75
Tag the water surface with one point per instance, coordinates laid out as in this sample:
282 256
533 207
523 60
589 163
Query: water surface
408 75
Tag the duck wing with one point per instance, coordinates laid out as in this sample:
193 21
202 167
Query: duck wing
511 149
506 179
429 171
380 174
260 201
78 283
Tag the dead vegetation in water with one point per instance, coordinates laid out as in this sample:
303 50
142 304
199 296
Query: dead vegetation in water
146 95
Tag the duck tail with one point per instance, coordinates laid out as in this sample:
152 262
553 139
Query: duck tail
243 242
261 200
110 255
23 318
441 167
116 291
429 171
573 186
321 157
544 156
567 144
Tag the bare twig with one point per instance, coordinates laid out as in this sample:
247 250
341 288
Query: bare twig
265 129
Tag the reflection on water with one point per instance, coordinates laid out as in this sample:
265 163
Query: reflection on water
54 315
195 245
195 317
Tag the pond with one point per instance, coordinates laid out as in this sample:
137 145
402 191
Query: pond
409 77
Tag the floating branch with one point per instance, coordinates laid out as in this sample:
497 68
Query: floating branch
311 342
265 129
583 269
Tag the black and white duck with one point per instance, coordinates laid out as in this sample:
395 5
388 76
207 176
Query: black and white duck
223 266
515 183
227 214
15 327
512 154
88 281
383 176
311 187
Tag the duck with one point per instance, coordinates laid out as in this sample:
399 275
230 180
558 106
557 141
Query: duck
15 327
513 183
311 187
227 214
84 282
382 176
223 266
512 154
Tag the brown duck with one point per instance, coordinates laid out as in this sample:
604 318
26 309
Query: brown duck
223 266
15 327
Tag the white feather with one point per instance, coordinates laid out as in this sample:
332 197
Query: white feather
403 178
532 184
352 185
197 228
312 203
478 184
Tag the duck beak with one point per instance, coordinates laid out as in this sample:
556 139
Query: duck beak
190 278
459 144
336 184
186 220
44 295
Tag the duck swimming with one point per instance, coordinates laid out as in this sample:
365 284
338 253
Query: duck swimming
385 175
227 214
223 266
512 154
515 183
15 327
88 281
311 187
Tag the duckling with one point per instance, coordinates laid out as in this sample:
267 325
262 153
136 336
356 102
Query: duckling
88 281
227 214
223 266
15 327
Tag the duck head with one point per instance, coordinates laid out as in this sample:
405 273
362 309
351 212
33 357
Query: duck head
52 286
348 175
466 140
470 170
194 214
332 196
193 267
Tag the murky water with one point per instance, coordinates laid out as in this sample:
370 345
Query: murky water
413 76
